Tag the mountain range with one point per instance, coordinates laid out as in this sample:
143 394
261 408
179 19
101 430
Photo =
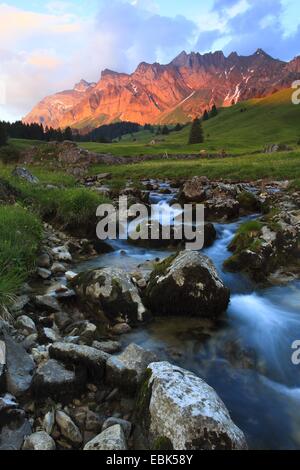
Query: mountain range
176 92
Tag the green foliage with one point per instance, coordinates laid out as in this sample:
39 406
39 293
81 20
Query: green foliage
67 207
196 133
214 112
21 234
9 154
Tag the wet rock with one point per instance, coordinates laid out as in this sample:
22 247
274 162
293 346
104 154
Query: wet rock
44 261
24 174
19 368
194 190
68 428
14 426
110 347
49 335
126 370
90 358
49 422
93 422
26 325
44 273
125 425
222 209
62 319
58 268
47 302
39 441
111 439
178 409
70 275
120 329
112 291
61 253
187 284
53 379
20 303
2 365
40 354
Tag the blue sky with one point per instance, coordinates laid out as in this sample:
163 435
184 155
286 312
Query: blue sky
47 46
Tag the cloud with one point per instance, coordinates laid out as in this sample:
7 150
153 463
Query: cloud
253 24
41 53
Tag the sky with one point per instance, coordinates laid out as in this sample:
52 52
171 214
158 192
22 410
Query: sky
48 46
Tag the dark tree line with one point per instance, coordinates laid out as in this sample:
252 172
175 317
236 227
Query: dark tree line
19 130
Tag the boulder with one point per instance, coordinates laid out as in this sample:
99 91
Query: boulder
220 208
111 439
26 325
125 425
110 347
112 291
14 426
47 302
68 428
44 261
194 190
187 284
24 174
178 410
19 368
39 441
53 380
61 253
44 273
90 358
126 370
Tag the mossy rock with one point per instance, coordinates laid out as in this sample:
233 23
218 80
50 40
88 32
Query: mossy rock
248 202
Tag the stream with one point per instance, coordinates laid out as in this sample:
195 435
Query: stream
246 358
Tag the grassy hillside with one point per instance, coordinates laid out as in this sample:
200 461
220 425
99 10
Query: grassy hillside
243 128
281 166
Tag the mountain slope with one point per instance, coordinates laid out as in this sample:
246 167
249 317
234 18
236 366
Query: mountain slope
241 129
156 93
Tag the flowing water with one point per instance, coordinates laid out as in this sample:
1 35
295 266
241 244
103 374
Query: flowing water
246 357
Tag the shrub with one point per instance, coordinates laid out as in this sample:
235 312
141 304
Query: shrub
9 155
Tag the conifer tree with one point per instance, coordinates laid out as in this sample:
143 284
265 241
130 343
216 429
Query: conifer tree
196 133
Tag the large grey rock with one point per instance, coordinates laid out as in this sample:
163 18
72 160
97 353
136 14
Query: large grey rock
92 359
194 190
19 368
47 302
61 253
68 428
14 426
177 407
127 369
110 347
111 439
26 325
39 441
187 285
53 380
112 291
25 174
125 425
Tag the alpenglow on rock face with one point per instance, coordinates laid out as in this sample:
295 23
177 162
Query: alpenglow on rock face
187 285
178 410
189 84
112 291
